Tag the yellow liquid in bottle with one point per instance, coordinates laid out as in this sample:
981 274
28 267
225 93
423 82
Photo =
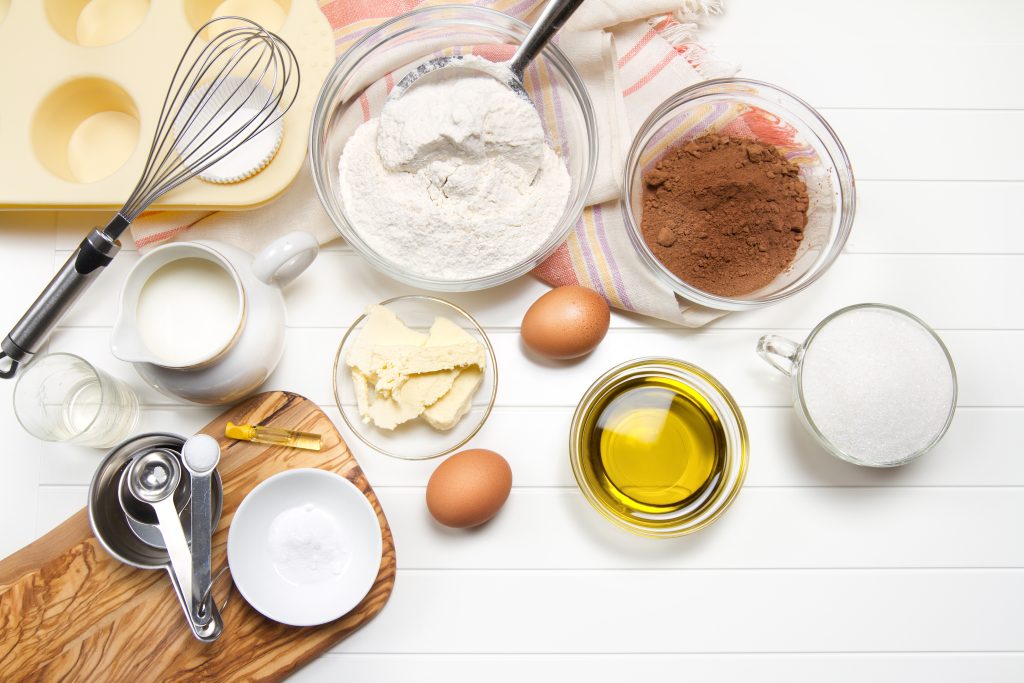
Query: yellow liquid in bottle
656 446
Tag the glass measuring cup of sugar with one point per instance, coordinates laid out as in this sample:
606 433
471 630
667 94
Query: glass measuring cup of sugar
61 397
873 383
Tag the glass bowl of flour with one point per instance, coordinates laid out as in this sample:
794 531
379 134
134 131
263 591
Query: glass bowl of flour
459 184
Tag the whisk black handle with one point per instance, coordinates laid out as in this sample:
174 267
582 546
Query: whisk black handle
70 282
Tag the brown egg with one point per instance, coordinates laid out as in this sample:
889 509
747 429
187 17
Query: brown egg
567 322
469 488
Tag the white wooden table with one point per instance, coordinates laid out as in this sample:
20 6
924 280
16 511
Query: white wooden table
821 571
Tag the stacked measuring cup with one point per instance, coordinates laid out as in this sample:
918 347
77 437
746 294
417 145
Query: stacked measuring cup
154 502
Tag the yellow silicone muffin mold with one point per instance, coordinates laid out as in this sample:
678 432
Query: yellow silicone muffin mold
84 81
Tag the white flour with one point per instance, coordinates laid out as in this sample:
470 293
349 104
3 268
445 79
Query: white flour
454 180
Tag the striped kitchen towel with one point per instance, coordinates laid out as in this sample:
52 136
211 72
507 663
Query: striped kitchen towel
632 55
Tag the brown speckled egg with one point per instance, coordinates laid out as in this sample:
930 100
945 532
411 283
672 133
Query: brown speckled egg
469 488
567 322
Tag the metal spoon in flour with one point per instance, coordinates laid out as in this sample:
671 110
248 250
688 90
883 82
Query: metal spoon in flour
551 20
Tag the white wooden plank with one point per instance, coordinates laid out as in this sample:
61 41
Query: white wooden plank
988 365
56 504
919 283
554 529
908 21
18 483
975 452
877 53
782 454
937 218
598 668
948 292
765 528
26 254
905 144
698 611
871 54
868 73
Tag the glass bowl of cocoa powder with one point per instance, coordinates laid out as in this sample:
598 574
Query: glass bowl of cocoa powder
738 194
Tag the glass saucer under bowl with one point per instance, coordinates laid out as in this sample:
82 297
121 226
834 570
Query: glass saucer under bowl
417 440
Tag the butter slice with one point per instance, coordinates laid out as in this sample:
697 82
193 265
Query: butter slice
449 409
382 328
425 389
394 365
399 374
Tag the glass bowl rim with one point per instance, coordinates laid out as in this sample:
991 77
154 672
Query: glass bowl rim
680 286
322 114
487 345
728 495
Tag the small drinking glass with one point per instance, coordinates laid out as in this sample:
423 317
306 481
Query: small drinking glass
61 397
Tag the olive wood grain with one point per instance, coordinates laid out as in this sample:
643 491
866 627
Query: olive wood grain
70 612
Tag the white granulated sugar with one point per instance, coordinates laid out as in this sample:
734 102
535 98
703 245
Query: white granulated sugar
455 179
877 385
307 546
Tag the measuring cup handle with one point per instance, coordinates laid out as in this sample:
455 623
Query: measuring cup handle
285 258
783 354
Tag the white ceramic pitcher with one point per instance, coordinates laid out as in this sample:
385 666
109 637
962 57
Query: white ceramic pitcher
237 364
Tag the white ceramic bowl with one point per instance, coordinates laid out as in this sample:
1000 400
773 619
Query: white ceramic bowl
257 576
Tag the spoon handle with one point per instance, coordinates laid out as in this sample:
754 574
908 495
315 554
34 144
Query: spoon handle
551 19
177 545
202 520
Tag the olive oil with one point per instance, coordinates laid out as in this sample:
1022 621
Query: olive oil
654 448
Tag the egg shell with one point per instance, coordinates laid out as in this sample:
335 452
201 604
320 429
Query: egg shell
469 488
566 322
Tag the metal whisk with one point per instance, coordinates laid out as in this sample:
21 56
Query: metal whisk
205 117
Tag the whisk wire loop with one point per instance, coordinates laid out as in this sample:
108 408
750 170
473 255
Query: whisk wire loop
224 92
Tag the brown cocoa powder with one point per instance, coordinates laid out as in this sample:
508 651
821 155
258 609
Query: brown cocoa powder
724 214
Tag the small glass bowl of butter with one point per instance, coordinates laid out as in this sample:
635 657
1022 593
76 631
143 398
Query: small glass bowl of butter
415 377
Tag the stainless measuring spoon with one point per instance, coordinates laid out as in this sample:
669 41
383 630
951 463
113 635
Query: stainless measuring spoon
201 453
550 21
152 479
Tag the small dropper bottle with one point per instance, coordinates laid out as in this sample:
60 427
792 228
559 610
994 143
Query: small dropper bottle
273 436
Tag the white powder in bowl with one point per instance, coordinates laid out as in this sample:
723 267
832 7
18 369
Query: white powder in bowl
877 385
455 180
307 545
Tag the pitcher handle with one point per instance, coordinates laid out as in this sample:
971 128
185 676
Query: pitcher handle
285 258
783 354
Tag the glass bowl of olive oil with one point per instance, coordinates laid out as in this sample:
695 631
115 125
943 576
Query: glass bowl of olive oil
659 447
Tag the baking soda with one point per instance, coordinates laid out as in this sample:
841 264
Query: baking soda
306 545
877 385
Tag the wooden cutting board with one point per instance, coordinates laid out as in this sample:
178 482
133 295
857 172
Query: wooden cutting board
70 612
